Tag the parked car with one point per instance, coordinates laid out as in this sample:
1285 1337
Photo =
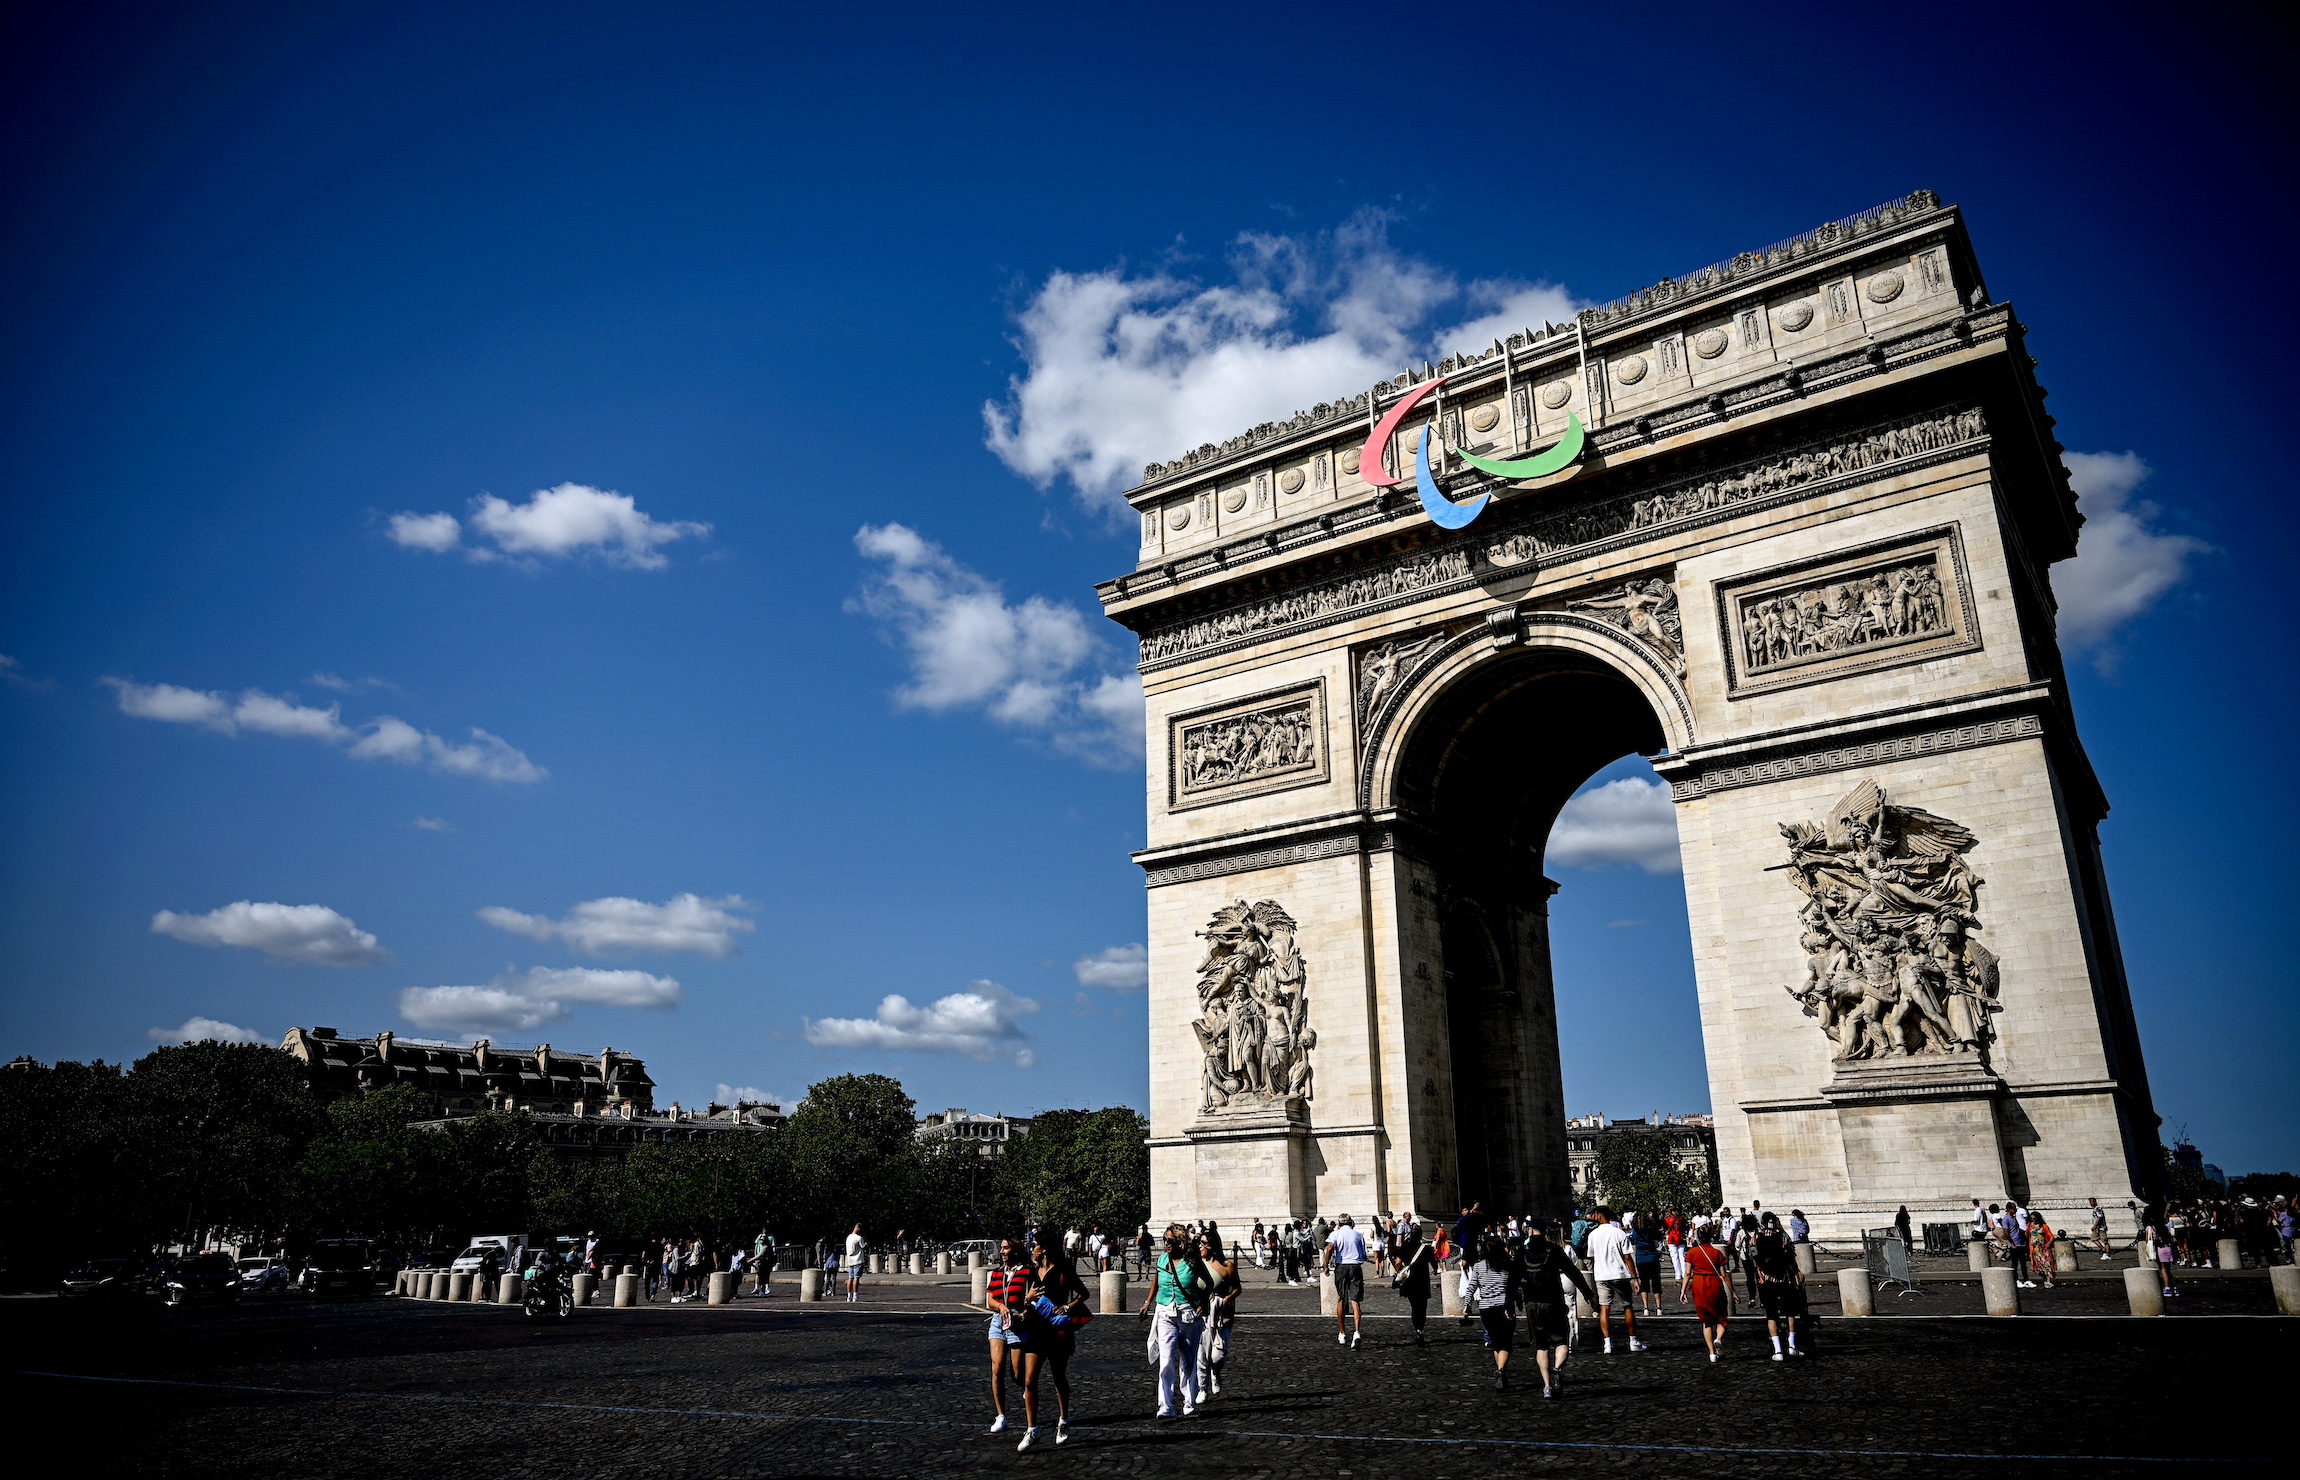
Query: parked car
197 1278
262 1275
106 1278
986 1247
338 1267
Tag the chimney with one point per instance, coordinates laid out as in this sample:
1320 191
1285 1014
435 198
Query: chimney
383 1045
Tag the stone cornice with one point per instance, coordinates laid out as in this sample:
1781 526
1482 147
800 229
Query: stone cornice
2027 711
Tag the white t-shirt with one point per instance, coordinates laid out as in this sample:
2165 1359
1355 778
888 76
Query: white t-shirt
1609 1252
1348 1244
854 1251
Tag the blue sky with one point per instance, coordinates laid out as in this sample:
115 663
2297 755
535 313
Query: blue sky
775 373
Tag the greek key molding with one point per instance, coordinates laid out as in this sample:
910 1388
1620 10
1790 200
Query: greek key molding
1332 846
1850 757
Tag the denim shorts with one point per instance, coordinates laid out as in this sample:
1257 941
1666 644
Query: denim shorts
1007 1334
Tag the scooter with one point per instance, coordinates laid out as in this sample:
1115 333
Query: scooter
549 1292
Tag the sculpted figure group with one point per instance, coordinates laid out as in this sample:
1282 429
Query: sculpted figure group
1248 746
1905 601
1891 970
1253 1006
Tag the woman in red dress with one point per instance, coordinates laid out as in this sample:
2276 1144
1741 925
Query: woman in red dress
1709 1280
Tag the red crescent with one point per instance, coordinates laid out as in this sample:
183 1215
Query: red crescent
1370 459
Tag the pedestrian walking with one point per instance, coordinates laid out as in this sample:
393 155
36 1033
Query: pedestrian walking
1709 1283
763 1263
1780 1283
1673 1235
1221 1312
1003 1292
1648 1266
1178 1294
1615 1265
2040 1241
1053 1310
854 1260
1901 1227
2099 1219
1546 1273
1415 1260
1346 1257
1492 1284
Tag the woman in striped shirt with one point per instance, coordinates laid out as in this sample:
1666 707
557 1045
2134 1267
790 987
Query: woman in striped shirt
1005 1291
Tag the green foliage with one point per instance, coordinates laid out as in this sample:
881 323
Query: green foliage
2185 1185
1075 1168
1636 1170
2265 1187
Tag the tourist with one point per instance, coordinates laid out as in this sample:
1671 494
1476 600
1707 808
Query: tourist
1221 1312
1179 1294
1673 1235
1546 1274
1709 1283
1745 1245
1491 1286
1002 1292
1614 1263
1780 1283
2156 1240
1901 1226
675 1270
652 1270
854 1263
2287 1227
735 1264
1053 1308
1648 1265
2015 1228
1801 1231
1979 1232
2040 1251
1346 1257
763 1263
2099 1216
1377 1244
1145 1249
1415 1260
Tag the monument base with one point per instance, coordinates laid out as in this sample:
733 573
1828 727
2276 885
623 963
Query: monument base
1252 1161
1920 1131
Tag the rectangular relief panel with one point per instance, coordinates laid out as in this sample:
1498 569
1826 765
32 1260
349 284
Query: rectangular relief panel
1898 601
1271 742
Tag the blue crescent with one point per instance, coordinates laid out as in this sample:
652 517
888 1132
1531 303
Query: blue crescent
1443 511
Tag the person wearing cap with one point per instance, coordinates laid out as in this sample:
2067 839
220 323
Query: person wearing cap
1346 1257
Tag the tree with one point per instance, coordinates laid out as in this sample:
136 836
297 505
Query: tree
1637 1170
216 1125
1075 1168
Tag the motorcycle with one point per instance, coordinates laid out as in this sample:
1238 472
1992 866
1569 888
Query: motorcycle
549 1292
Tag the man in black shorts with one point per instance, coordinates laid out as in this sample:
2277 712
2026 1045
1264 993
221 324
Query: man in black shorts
1546 1269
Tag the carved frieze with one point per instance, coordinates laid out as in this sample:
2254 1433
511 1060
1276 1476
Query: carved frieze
1253 1011
1271 742
1404 577
1384 669
1852 612
1647 610
1890 907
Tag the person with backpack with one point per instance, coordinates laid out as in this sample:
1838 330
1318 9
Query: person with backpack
1179 1293
1053 1309
1491 1281
1545 1273
1415 1260
1780 1283
1221 1312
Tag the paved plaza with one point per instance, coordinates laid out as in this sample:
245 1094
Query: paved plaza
895 1387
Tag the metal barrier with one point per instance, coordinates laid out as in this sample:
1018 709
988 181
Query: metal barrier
1945 1240
1887 1259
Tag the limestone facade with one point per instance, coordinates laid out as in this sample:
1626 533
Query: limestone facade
1803 558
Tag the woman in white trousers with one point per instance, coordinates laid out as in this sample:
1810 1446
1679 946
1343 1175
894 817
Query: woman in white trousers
1178 1295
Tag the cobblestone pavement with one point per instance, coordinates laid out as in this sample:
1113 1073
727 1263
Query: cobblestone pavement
897 1387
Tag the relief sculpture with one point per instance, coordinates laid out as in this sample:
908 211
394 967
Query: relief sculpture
1253 1009
1891 970
1384 668
1871 608
1248 747
1647 611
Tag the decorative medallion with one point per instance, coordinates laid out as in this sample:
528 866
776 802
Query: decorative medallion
1485 418
1234 500
1711 344
1556 394
1796 316
1885 287
1349 461
1290 481
1629 371
1178 517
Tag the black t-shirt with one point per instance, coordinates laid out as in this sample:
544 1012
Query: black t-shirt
1775 1257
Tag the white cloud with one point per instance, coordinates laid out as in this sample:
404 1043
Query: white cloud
1126 370
978 1022
1117 969
433 824
1624 821
734 1094
2121 565
1027 666
307 934
12 671
543 994
555 523
205 1029
596 927
384 738
341 685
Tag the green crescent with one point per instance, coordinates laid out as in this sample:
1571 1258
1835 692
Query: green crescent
1557 459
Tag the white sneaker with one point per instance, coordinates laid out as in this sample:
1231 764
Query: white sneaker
1355 1338
998 1424
1712 1356
1062 1431
1635 1345
1341 1338
1029 1438
1778 1357
1189 1410
1214 1384
1609 1346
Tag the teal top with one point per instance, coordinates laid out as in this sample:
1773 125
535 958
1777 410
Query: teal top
1172 1284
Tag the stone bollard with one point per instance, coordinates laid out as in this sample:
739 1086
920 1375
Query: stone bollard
634 1271
978 1286
1853 1292
2284 1279
480 1293
1326 1298
584 1285
722 1287
507 1290
430 1279
810 1284
1977 1255
626 1290
399 1283
942 1262
974 1259
2063 1256
2144 1292
1113 1293
918 1264
1805 1263
2000 1292
1449 1289
878 1263
2229 1254
1582 1309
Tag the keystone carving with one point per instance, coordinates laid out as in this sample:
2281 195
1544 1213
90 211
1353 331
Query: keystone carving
1253 1010
1891 970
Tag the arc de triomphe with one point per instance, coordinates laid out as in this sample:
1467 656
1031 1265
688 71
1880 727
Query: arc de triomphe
1800 563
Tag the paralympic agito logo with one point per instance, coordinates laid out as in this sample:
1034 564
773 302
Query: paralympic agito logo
1443 511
